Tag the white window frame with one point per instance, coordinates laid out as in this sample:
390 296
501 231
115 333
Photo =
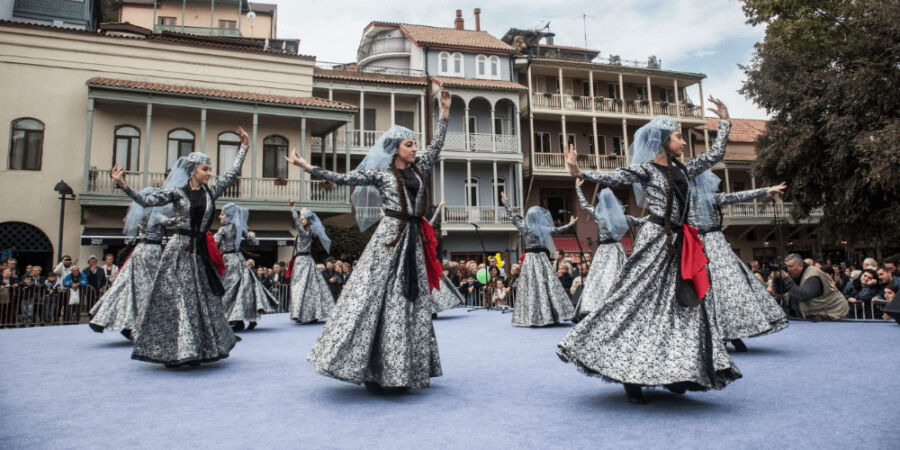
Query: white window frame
499 125
473 124
462 64
501 187
469 184
442 58
494 63
539 141
481 66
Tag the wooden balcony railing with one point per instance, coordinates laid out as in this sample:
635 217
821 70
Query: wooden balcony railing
557 162
477 214
481 142
763 210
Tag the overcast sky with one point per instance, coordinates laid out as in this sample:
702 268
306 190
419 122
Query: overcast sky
709 36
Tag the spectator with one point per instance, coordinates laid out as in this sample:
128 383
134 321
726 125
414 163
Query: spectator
492 262
8 297
583 270
471 289
348 270
812 294
96 276
12 265
565 278
461 274
867 290
76 283
111 270
558 258
890 294
53 289
886 278
495 274
514 271
451 271
810 262
26 300
870 263
64 267
251 264
891 265
332 277
320 267
36 275
588 258
498 294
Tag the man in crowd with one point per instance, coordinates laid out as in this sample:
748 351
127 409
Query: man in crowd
111 271
564 277
64 267
812 294
75 282
96 276
346 272
332 277
891 265
52 291
583 269
492 262
886 278
36 275
513 275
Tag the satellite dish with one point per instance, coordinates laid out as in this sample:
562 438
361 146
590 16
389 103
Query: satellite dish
251 15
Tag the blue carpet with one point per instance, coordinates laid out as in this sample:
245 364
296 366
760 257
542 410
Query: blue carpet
814 385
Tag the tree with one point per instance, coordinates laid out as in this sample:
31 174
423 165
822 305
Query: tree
828 73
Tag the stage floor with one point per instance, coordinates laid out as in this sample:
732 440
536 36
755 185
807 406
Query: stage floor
814 385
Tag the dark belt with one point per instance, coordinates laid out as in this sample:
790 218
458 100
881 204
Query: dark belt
537 250
710 230
302 254
190 233
608 241
661 221
411 283
231 251
149 241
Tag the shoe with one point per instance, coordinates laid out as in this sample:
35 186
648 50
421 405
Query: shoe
251 326
739 346
373 388
675 389
127 333
635 394
237 325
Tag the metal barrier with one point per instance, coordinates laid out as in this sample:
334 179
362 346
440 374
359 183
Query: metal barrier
28 306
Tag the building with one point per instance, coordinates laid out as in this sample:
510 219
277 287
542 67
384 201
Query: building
229 18
78 14
84 101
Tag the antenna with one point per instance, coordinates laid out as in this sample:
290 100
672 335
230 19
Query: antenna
584 18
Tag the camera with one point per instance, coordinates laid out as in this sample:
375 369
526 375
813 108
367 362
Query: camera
772 267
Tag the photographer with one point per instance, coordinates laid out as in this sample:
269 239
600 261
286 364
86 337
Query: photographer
812 293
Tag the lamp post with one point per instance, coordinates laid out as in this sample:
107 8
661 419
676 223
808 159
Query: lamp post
65 193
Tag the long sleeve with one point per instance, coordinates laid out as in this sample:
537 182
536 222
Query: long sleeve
300 228
220 235
67 280
515 218
722 198
426 162
225 180
635 221
586 205
352 178
563 228
434 218
158 198
715 154
251 239
809 290
618 177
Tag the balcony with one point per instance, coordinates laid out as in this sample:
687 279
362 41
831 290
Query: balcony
490 217
270 193
361 141
383 70
555 163
200 31
612 106
481 142
763 212
383 46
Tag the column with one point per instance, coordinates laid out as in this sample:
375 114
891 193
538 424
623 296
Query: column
596 141
622 93
625 141
212 12
493 132
531 117
253 155
362 118
649 96
727 182
443 195
146 176
468 180
591 91
89 134
514 125
703 115
562 102
691 143
393 110
303 153
466 128
347 147
203 130
495 194
565 137
753 186
183 8
521 185
677 99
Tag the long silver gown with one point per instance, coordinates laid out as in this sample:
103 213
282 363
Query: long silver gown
245 296
641 334
119 307
541 299
310 298
375 334
447 296
742 306
184 321
607 262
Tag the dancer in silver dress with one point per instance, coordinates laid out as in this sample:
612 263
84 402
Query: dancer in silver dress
245 296
380 331
541 299
184 321
652 330
612 224
119 306
448 296
311 300
742 306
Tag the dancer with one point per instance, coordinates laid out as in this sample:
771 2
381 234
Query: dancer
651 330
541 299
448 296
184 321
245 296
311 300
740 303
380 331
612 224
118 308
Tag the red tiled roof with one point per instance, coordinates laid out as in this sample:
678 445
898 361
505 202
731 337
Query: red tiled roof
313 102
479 84
368 76
451 37
742 130
569 48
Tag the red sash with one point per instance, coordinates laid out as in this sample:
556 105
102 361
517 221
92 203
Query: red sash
432 265
694 260
214 256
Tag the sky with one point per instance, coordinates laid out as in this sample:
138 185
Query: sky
709 37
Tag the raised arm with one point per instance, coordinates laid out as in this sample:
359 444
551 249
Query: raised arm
563 228
224 181
635 221
249 237
723 198
220 235
426 162
586 205
296 215
437 213
157 198
715 154
514 217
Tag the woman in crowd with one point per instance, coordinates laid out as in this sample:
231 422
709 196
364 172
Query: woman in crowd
741 305
120 306
447 296
184 321
245 298
540 298
499 294
652 329
380 331
311 300
863 292
612 224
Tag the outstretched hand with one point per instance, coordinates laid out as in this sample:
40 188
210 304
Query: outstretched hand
721 110
245 139
118 175
503 197
572 161
291 203
777 190
297 160
579 182
573 219
445 102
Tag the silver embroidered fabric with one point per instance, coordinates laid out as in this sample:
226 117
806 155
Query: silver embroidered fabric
183 320
310 298
245 296
640 334
721 198
541 299
374 333
608 261
447 297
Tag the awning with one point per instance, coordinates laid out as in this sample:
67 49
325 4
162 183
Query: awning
114 236
274 238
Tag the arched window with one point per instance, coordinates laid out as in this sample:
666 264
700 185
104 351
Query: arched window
126 147
275 149
501 188
458 64
26 144
181 143
229 144
444 63
495 67
481 65
472 192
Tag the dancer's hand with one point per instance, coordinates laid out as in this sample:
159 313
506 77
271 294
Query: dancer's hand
445 102
573 219
118 175
579 182
503 197
291 203
245 139
572 161
297 160
777 190
721 110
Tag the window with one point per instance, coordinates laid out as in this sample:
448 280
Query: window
540 84
667 95
501 188
495 67
617 145
232 24
275 149
612 90
571 141
601 141
126 149
229 143
166 20
26 144
481 65
498 125
458 64
473 124
542 142
444 62
181 143
472 192
405 119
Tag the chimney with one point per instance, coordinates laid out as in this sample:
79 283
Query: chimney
460 24
477 19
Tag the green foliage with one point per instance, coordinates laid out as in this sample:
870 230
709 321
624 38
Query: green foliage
347 244
829 74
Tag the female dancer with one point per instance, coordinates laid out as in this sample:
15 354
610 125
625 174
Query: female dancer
310 298
612 224
121 304
448 296
245 296
647 332
742 306
184 321
541 299
380 330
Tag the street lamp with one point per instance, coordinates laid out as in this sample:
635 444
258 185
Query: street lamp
65 193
